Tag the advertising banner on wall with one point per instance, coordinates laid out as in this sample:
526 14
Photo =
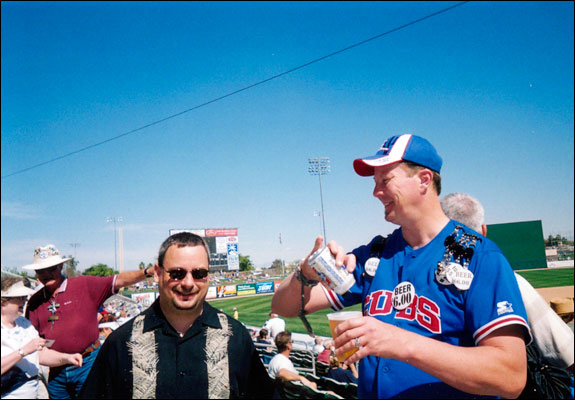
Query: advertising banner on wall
226 291
246 288
212 293
264 287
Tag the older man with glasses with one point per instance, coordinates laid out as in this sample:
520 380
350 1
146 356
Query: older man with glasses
65 310
180 347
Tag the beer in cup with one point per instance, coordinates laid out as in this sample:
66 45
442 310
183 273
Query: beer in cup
337 318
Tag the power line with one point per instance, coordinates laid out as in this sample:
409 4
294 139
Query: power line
237 91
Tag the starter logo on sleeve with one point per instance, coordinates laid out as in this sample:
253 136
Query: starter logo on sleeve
504 307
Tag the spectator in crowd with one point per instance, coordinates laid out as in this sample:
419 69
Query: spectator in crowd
281 366
327 351
236 314
22 349
263 337
422 347
318 346
342 372
552 337
66 311
274 325
107 325
180 347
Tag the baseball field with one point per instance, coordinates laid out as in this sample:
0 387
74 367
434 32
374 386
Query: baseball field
254 310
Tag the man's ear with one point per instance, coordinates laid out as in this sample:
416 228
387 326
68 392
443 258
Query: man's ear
157 272
484 230
425 179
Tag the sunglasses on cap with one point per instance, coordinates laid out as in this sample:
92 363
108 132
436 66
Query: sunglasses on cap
179 273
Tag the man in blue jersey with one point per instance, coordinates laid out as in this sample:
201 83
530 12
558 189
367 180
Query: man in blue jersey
442 313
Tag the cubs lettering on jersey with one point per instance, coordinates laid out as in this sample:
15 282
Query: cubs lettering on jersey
422 310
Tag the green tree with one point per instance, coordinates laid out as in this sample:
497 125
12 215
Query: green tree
142 265
276 264
246 263
99 270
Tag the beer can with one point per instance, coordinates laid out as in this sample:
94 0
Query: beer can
337 278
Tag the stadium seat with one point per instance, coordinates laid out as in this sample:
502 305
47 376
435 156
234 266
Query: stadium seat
345 390
321 368
297 390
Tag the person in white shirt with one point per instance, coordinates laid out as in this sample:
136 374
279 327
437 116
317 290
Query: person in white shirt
281 366
22 349
552 336
318 347
274 325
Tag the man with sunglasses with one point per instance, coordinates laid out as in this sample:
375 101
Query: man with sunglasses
65 310
180 347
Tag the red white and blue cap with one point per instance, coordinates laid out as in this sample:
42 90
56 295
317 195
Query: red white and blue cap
400 148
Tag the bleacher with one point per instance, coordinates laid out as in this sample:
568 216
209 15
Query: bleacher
297 390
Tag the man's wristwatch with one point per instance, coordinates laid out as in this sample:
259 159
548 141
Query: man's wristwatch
146 272
301 277
21 352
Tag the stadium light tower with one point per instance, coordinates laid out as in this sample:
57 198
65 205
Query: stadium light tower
320 166
114 220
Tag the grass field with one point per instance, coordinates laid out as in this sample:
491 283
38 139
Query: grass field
254 310
542 278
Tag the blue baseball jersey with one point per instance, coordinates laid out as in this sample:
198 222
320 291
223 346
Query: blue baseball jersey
442 312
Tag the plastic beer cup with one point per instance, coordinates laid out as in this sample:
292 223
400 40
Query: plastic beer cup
337 318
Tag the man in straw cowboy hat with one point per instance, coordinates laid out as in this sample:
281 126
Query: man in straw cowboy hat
65 310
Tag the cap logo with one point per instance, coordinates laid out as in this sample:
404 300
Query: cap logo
388 145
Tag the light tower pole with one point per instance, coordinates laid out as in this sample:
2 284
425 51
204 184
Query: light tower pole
114 220
320 166
74 245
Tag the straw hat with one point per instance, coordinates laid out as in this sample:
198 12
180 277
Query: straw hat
45 257
562 305
17 290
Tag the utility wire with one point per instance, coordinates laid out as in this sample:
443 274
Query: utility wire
237 91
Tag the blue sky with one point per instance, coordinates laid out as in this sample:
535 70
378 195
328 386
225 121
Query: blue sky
490 84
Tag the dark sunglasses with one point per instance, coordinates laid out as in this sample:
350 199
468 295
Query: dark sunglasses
47 270
179 273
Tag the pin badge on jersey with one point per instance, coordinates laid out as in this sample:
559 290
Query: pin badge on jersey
403 295
446 271
462 278
371 266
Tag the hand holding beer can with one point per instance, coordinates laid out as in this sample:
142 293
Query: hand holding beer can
337 278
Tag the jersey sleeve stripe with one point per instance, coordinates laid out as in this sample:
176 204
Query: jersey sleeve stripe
485 330
333 298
